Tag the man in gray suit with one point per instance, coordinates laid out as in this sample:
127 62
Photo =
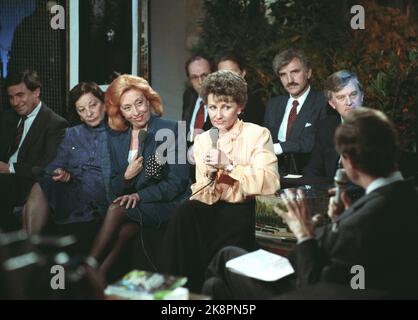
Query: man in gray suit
292 119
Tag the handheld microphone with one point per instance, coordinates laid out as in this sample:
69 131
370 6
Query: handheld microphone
340 182
142 135
214 136
38 171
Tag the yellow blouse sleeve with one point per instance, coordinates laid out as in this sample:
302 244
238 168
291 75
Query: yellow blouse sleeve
261 176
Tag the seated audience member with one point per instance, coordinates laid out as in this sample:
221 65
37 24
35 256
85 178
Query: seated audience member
76 184
292 120
255 108
148 186
195 111
344 93
29 137
221 210
377 232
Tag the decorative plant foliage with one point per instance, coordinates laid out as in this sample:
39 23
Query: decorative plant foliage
384 54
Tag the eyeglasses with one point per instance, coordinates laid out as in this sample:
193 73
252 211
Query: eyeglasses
195 77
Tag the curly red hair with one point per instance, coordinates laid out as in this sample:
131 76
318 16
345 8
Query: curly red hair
117 88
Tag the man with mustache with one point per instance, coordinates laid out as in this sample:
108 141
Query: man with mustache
292 119
344 93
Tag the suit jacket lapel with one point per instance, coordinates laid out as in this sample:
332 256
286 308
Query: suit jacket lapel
279 114
190 107
303 116
35 130
125 146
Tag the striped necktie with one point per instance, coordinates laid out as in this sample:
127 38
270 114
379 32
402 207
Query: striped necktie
18 138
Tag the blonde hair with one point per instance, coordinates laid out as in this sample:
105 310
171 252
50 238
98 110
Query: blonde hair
115 91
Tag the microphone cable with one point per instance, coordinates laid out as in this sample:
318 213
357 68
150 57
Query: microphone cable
205 186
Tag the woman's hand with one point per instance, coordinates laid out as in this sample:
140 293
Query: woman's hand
216 159
131 200
134 168
61 175
297 217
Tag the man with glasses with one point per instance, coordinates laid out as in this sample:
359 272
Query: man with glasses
194 110
344 93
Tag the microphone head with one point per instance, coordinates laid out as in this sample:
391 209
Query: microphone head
142 135
341 176
214 135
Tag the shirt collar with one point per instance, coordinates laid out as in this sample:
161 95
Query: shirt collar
35 111
302 98
198 101
381 182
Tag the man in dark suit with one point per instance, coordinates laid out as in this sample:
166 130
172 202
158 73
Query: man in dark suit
370 244
344 93
292 120
194 110
30 134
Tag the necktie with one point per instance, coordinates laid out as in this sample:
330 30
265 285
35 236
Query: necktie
200 116
292 117
19 134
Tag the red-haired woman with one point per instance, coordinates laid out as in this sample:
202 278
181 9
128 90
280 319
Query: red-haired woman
146 177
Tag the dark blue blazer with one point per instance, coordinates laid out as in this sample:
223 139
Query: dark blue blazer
324 157
301 139
189 101
174 184
296 149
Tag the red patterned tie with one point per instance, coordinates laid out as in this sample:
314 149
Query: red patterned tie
292 117
19 134
200 116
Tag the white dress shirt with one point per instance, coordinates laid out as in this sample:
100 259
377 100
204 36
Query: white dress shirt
281 136
26 126
381 182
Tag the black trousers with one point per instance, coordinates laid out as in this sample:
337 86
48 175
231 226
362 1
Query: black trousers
13 193
223 284
198 231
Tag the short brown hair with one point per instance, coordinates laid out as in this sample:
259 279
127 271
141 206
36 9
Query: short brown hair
75 94
225 83
117 88
29 77
285 57
370 140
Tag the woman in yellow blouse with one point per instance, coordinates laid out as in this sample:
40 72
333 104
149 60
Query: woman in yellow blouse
221 210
